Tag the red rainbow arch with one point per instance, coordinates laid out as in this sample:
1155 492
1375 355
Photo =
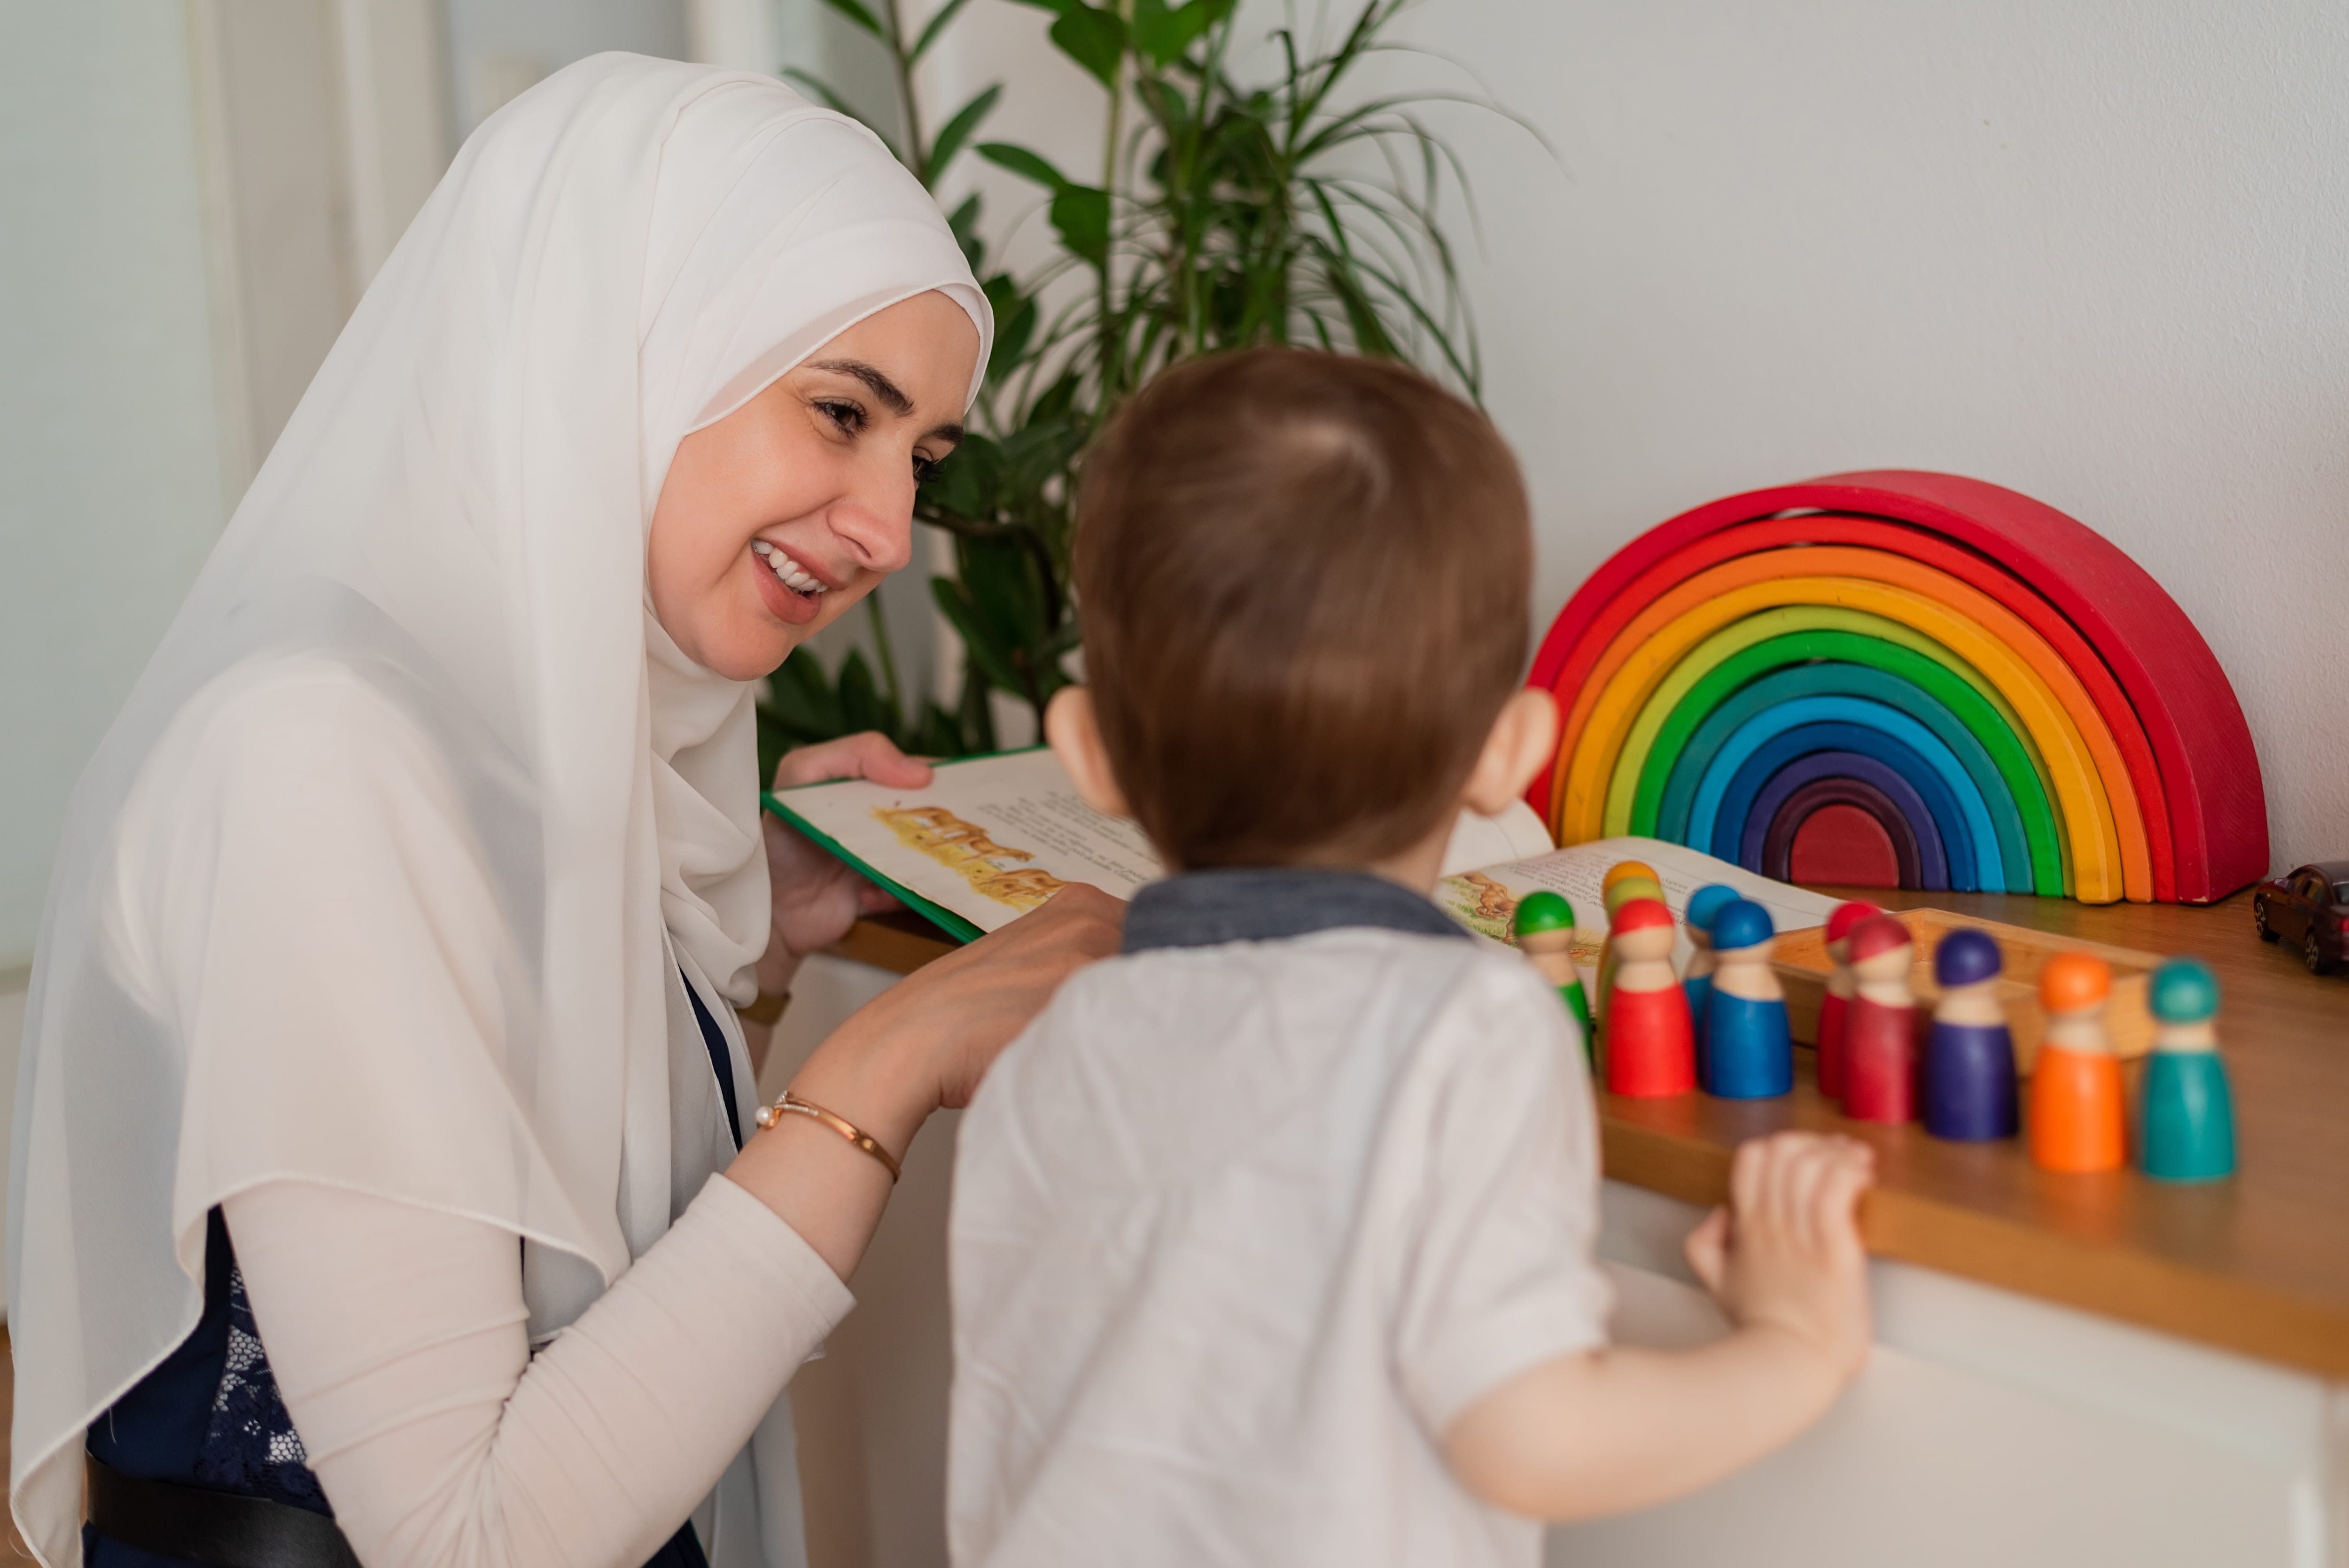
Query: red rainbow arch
2015 699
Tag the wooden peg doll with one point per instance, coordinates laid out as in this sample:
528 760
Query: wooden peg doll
1839 994
1879 1076
2075 1121
1696 980
1624 882
1650 1049
1748 1050
1969 1088
1544 929
2188 1130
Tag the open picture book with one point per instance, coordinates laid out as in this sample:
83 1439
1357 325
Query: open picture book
993 837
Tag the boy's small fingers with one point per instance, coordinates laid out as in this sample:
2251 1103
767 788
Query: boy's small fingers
1748 1172
1836 1205
1806 1174
1782 1157
1707 1249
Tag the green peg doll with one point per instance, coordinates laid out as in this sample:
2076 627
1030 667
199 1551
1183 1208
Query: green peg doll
1545 936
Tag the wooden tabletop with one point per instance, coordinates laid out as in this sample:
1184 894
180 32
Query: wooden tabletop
2259 1263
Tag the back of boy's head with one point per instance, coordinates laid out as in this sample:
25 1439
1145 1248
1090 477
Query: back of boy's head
1302 579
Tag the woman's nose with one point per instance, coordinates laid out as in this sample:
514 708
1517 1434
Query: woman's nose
877 528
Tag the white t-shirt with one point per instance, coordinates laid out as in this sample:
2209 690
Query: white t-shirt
1240 1229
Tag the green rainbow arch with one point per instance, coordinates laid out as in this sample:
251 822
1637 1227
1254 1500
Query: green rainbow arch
1787 654
1995 787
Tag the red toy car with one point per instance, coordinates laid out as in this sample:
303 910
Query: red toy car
2311 907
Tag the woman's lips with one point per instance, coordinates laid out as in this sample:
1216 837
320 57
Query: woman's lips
777 575
787 568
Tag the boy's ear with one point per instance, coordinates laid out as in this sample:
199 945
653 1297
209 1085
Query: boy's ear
1518 746
1075 738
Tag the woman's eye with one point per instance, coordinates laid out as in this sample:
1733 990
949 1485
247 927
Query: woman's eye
925 469
847 415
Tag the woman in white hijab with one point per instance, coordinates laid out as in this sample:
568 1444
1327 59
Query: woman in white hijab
380 1034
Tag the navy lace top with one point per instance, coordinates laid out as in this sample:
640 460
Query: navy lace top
209 1416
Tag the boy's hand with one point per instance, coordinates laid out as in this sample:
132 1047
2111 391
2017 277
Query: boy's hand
1785 1254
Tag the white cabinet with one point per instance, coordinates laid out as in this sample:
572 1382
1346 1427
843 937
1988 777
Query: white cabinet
1989 1428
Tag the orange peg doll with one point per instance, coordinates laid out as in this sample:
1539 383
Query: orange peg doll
2076 1115
1651 1047
1624 880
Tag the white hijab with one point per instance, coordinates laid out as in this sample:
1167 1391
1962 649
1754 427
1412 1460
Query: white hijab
452 527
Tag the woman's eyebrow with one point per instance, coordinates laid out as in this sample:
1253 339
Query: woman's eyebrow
880 386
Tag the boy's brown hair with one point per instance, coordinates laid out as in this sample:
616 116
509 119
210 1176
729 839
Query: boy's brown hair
1303 584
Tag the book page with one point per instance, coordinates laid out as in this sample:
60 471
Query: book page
993 837
1485 900
990 838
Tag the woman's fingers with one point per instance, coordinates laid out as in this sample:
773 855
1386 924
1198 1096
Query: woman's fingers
991 989
871 755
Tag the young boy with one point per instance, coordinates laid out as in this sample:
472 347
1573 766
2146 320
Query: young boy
1272 1237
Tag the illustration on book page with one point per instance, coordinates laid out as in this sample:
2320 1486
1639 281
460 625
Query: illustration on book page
965 849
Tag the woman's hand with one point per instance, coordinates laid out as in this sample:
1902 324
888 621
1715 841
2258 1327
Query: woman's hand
816 898
928 1040
924 1043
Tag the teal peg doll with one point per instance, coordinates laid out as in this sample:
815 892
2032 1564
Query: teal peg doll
1544 926
2189 1132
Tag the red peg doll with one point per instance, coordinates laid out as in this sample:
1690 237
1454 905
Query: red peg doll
1837 1000
1880 1026
1651 1047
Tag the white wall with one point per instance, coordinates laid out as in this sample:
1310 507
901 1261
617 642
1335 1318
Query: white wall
112 482
2095 251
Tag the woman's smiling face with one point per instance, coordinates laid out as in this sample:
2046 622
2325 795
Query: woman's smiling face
776 519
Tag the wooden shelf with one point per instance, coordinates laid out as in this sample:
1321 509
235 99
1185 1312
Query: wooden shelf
2259 1263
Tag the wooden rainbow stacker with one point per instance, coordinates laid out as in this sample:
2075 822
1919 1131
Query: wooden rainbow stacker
1969 688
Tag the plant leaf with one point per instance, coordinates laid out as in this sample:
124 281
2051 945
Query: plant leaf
956 131
1090 35
1080 216
989 654
1022 162
801 698
1013 329
861 704
933 28
1165 33
856 11
963 222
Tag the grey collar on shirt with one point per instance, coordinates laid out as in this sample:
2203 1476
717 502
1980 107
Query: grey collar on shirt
1266 903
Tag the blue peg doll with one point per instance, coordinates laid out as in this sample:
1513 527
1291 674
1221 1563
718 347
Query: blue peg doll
1749 1055
1697 981
1969 1092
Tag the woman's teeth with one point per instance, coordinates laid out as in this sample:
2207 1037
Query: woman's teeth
787 571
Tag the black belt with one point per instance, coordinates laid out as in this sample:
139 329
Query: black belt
216 1529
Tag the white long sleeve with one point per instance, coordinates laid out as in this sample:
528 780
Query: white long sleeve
397 1336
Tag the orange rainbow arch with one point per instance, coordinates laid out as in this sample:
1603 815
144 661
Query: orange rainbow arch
1989 687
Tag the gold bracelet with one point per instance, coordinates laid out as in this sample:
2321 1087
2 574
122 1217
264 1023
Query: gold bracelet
768 1007
770 1114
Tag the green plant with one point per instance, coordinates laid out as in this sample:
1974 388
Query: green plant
1230 209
